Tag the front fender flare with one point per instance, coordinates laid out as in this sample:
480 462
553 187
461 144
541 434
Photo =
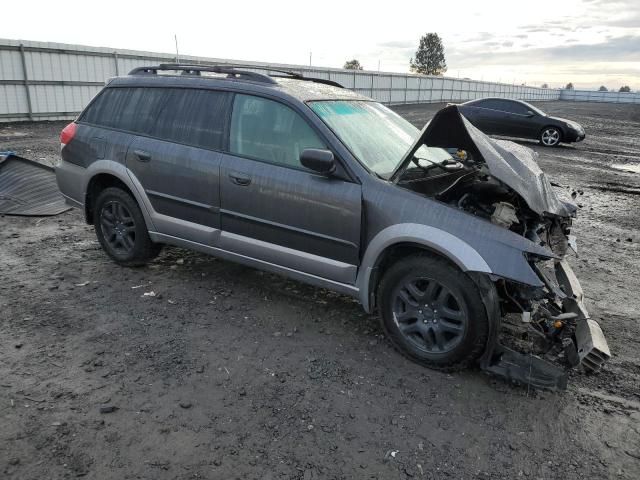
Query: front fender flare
444 243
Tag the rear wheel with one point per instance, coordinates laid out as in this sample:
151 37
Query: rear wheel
550 136
121 229
432 313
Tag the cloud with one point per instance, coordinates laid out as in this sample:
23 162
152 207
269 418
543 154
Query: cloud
481 37
536 28
403 44
618 49
626 21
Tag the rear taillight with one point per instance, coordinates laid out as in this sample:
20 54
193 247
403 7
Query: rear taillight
67 134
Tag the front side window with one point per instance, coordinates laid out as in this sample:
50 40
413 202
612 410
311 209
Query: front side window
520 109
375 135
269 131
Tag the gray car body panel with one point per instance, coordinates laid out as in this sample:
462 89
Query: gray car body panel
360 215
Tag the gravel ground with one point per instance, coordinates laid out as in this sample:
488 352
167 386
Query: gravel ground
228 372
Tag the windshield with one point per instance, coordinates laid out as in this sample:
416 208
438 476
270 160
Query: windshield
376 136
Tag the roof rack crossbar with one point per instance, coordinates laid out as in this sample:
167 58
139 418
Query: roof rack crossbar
232 71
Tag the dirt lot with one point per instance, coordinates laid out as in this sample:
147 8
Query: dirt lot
228 372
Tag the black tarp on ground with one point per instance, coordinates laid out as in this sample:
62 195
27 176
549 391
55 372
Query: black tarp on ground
28 188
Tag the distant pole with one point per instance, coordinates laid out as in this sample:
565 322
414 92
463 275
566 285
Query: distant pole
310 55
378 65
175 37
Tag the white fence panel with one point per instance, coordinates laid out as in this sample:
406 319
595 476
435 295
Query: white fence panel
61 79
597 96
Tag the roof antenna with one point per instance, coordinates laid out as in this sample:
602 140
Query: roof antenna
175 37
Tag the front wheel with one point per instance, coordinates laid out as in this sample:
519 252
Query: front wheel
121 229
550 136
433 313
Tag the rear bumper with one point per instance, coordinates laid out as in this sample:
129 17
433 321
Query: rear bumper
71 182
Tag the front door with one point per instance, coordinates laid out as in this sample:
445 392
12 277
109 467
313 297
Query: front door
522 120
274 209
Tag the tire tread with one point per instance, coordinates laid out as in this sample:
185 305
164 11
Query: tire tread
475 350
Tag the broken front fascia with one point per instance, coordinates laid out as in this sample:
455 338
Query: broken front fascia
557 307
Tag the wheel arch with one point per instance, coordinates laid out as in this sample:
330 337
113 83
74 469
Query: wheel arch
398 241
97 184
107 173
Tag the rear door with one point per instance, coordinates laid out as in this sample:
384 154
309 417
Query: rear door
274 209
177 161
484 115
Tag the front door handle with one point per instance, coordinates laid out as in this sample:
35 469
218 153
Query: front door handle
240 178
142 155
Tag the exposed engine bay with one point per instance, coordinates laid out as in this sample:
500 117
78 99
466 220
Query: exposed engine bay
502 183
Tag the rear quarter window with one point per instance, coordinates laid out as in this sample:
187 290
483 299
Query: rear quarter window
181 115
132 109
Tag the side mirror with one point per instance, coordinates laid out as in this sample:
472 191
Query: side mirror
530 113
321 161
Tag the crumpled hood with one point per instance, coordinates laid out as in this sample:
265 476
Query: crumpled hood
512 164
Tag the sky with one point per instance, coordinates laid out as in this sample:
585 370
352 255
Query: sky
586 42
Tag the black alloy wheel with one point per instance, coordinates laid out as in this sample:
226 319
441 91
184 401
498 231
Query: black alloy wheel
121 228
118 227
429 315
432 312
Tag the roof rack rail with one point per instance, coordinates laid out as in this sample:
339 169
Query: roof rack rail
285 73
233 71
188 69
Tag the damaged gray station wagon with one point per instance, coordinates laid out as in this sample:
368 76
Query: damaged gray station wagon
444 232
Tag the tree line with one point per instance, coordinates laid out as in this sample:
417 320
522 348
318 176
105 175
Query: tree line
429 59
569 86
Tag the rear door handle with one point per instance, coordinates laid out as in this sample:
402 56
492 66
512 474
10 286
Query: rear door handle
240 178
142 155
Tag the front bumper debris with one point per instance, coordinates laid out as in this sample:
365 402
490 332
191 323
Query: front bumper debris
590 348
587 347
526 369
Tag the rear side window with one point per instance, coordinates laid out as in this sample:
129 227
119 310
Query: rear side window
193 117
491 104
132 109
270 131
